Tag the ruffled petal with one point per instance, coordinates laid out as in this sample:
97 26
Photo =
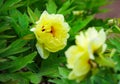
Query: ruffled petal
72 54
82 66
43 53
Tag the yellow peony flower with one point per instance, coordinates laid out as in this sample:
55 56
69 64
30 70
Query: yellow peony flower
79 56
51 32
92 40
78 61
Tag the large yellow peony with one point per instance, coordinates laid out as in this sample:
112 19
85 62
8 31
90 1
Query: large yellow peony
81 55
51 32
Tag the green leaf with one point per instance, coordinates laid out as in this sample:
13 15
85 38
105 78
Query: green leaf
63 78
33 67
19 22
63 72
20 78
34 78
105 61
80 24
63 81
49 67
16 27
33 16
104 76
64 7
4 27
15 14
68 11
37 12
115 42
24 21
116 58
118 76
51 6
22 62
1 2
3 44
18 63
6 36
14 48
8 4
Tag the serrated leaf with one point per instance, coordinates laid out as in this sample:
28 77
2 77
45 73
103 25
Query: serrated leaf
32 15
104 76
35 79
105 61
63 72
16 27
14 48
79 24
68 11
8 4
64 7
20 78
18 63
14 13
49 67
24 21
3 44
6 36
64 81
115 42
37 12
19 22
22 62
57 81
1 3
33 67
51 6
116 58
4 27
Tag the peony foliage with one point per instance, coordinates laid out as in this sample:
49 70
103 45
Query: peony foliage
58 42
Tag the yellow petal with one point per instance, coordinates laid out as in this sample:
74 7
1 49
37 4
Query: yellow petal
81 40
43 53
72 76
102 37
72 54
102 49
96 39
81 66
90 51
91 33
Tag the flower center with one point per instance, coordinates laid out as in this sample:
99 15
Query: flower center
92 63
49 30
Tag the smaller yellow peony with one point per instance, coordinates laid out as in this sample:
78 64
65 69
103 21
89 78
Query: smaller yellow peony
51 32
80 56
92 40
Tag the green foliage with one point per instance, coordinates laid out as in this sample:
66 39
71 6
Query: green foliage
114 43
63 79
9 4
52 69
20 78
33 16
16 64
79 24
13 48
66 9
51 6
21 64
